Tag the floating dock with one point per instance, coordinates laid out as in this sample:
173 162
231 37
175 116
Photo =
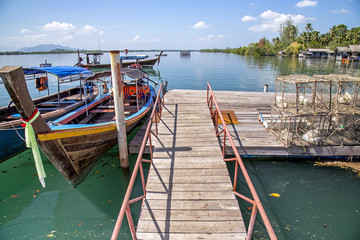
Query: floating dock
189 191
250 137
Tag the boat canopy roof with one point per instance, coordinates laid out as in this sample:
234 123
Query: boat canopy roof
133 73
59 71
95 53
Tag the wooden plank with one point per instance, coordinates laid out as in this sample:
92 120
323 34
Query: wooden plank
208 204
189 236
188 215
178 187
189 190
191 227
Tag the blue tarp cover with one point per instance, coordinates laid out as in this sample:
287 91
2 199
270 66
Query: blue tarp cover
133 57
59 71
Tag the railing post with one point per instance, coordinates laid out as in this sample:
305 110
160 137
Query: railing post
131 222
236 174
151 150
252 222
224 145
142 178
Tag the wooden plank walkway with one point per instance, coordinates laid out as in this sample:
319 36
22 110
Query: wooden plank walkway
249 136
189 191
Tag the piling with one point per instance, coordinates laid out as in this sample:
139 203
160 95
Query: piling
119 107
266 88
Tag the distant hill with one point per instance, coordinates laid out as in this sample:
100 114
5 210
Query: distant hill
45 48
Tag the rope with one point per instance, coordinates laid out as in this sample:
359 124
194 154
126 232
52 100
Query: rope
30 139
16 130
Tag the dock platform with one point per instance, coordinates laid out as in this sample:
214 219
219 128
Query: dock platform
189 190
250 137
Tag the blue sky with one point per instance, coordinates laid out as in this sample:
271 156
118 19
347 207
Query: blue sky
162 24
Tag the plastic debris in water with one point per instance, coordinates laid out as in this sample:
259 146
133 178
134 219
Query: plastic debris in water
274 195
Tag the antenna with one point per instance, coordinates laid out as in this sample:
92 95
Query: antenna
98 39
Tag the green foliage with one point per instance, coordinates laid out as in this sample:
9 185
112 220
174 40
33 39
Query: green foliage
294 48
292 42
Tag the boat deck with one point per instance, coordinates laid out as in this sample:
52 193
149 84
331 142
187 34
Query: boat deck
250 137
189 191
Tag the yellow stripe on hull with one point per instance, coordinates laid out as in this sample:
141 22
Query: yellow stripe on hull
75 133
59 134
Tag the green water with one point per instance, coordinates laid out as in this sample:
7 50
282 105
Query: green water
60 211
314 203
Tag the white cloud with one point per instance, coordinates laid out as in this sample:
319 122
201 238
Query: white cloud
340 11
248 18
58 33
306 3
57 27
138 39
200 25
24 30
90 29
272 20
211 38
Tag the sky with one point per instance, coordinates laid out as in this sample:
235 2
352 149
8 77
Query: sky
162 24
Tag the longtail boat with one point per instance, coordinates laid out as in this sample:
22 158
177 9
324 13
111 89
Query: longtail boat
51 106
93 61
74 142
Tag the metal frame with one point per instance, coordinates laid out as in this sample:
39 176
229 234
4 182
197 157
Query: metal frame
257 206
125 207
327 107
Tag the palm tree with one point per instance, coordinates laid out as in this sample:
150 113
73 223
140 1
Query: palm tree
315 36
332 32
308 29
293 32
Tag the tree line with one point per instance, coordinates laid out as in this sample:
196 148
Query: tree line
290 41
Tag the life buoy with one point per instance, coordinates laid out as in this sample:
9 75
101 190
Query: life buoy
105 88
131 90
41 83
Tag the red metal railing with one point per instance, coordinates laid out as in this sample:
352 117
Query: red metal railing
256 200
125 207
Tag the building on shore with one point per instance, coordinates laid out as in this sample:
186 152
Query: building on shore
318 53
351 52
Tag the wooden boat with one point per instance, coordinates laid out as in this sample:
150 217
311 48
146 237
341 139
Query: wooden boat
51 106
74 142
93 61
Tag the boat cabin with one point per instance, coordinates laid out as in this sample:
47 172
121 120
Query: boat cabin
93 58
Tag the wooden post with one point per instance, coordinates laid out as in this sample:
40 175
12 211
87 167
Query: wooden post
266 88
119 107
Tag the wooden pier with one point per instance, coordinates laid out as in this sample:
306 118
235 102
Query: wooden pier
250 137
189 191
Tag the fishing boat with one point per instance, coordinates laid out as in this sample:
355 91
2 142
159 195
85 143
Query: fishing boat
74 142
51 106
93 61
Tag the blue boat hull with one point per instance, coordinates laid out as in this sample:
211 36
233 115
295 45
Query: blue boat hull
11 143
